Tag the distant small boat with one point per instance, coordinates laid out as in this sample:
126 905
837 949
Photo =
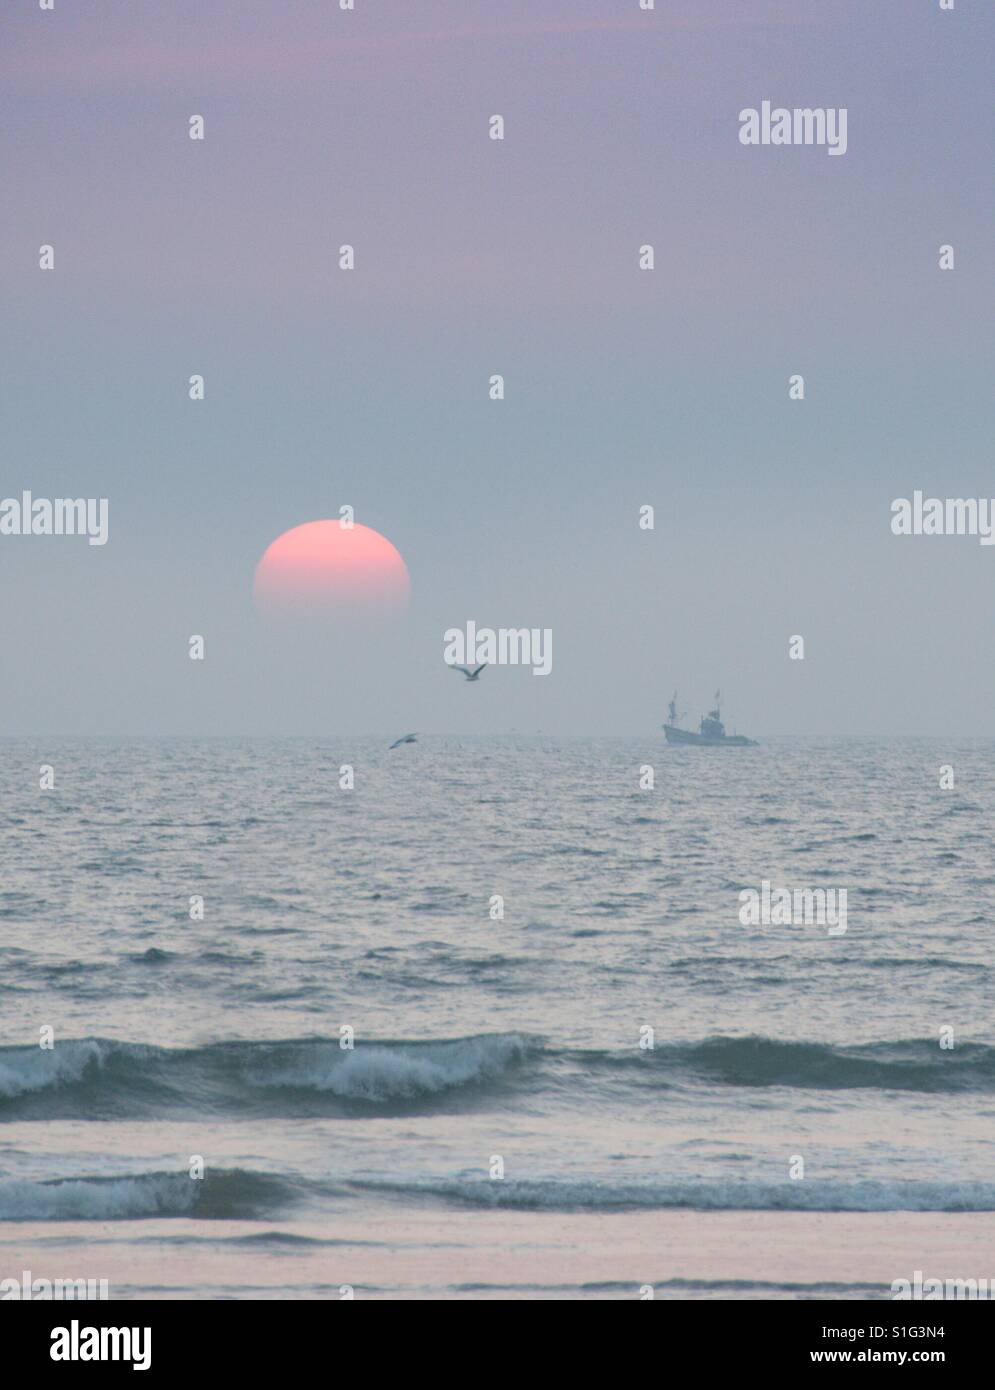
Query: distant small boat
711 731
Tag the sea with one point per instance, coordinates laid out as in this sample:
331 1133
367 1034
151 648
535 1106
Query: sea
478 1018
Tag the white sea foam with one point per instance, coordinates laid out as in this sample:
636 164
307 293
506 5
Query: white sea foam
99 1199
27 1069
384 1072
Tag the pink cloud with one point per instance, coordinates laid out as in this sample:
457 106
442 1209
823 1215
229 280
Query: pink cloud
273 55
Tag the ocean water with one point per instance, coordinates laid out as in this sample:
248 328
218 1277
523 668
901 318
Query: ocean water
496 1129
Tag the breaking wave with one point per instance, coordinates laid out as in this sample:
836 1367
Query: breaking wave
221 1195
913 1065
96 1078
380 1073
99 1079
867 1196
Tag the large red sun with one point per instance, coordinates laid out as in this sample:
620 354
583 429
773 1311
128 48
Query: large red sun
326 569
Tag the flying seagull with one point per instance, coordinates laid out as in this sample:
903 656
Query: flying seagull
473 675
407 738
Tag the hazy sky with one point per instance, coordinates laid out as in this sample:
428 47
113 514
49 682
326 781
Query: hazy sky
519 257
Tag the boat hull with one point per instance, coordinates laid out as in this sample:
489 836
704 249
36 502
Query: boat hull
703 741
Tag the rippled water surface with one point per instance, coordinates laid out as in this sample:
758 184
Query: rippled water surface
478 1036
